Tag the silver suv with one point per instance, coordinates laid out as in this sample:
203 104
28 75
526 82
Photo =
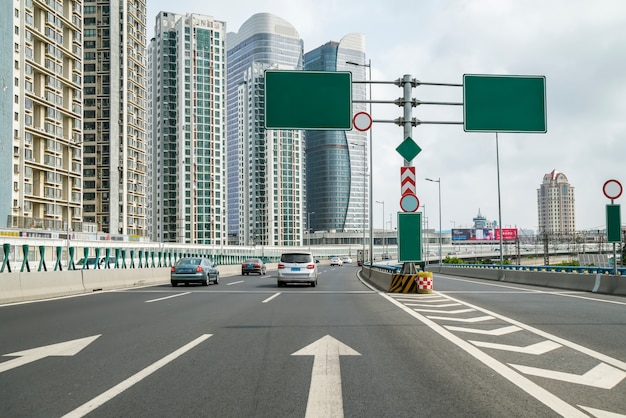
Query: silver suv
297 267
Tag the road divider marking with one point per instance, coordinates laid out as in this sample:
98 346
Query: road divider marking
535 349
602 376
167 297
271 297
495 332
232 283
101 399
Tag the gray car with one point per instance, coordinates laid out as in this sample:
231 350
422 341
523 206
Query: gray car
253 265
297 267
194 270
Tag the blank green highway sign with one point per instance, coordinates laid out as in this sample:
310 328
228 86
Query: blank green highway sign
613 224
308 100
409 237
500 103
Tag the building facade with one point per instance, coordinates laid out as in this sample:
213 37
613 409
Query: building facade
555 202
337 168
114 139
187 139
41 112
266 168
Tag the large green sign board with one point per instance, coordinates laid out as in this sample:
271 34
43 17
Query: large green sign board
409 237
308 100
500 103
613 223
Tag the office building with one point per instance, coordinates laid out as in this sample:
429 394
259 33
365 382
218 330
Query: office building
337 168
187 142
555 202
266 168
41 112
114 139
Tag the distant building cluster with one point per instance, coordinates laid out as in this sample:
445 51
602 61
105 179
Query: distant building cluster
106 131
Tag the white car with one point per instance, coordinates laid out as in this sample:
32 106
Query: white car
346 260
336 261
297 267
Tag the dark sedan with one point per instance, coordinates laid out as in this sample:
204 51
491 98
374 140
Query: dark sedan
253 265
194 270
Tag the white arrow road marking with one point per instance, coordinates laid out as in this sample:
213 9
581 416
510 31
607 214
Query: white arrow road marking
67 348
598 413
496 332
536 349
458 311
475 319
325 397
602 376
99 400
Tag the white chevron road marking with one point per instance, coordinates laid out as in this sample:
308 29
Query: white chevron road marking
536 349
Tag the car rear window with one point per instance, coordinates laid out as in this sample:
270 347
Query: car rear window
296 258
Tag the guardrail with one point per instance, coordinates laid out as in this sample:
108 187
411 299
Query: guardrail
554 269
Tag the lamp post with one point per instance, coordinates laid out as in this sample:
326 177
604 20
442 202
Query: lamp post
438 181
308 228
365 174
371 188
383 203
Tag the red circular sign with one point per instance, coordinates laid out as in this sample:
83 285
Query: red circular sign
362 121
409 202
612 189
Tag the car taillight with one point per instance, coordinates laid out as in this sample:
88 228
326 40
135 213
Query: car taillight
281 266
310 266
257 265
199 269
244 265
173 269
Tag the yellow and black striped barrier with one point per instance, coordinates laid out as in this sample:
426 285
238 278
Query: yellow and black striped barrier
403 283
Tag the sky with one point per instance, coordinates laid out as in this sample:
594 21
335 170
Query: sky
578 45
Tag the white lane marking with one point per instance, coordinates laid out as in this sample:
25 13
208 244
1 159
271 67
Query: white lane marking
444 305
602 376
496 332
271 297
468 320
168 297
232 283
101 399
67 348
536 349
458 311
599 413
550 400
598 356
325 396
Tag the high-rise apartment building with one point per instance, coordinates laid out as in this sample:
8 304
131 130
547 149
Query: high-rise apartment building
555 201
337 168
266 168
41 111
114 139
187 139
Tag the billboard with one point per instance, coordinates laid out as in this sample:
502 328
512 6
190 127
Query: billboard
484 234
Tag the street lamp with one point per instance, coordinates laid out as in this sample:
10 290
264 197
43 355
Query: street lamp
308 228
383 203
371 188
365 174
438 181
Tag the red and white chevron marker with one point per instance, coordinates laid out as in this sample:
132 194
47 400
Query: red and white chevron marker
407 180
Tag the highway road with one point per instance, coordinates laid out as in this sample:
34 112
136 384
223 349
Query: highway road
245 348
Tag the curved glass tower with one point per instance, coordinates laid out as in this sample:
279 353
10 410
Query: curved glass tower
337 192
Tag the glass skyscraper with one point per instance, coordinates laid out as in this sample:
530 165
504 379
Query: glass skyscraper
187 138
337 169
266 171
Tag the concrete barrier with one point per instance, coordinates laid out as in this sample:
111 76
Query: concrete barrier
39 285
10 288
107 279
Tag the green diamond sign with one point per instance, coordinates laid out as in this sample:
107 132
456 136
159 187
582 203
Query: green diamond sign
408 149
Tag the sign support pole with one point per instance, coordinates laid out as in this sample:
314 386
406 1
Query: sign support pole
407 84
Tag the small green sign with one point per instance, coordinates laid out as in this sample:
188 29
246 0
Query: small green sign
409 237
314 100
613 224
408 149
501 103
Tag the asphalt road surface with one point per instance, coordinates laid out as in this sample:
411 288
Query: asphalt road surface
245 348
